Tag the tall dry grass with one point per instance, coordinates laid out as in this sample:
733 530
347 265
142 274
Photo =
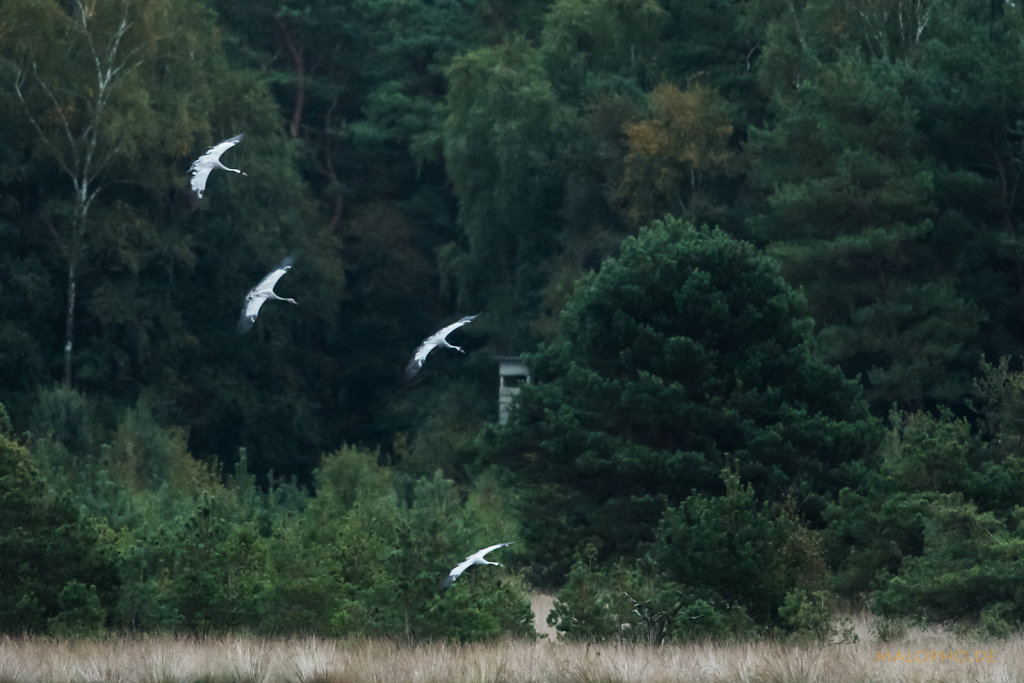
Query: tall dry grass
257 660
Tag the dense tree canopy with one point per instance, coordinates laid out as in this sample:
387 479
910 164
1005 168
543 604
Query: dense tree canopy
53 560
682 354
539 162
883 195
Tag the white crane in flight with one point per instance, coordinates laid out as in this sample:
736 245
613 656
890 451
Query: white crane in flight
260 293
202 166
474 559
432 342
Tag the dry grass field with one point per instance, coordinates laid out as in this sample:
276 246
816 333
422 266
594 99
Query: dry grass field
932 656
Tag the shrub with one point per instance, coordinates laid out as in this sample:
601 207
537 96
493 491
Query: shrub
57 567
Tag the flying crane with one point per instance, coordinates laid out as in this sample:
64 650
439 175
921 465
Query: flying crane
201 167
474 559
432 342
260 293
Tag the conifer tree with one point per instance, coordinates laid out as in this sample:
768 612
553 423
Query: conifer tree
684 353
57 567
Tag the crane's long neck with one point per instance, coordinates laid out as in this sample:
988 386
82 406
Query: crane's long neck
281 298
226 168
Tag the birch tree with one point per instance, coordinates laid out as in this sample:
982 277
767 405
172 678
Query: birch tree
74 62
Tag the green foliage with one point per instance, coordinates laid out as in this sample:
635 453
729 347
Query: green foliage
57 568
925 453
146 453
582 38
101 98
99 206
719 567
505 135
214 585
883 311
812 616
686 351
933 535
997 621
999 401
80 612
967 563
382 555
363 556
633 602
299 592
423 157
591 605
62 425
702 621
731 551
867 170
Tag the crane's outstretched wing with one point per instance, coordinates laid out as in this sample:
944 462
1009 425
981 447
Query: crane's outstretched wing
258 294
267 283
461 567
456 572
481 553
419 357
197 183
250 309
201 167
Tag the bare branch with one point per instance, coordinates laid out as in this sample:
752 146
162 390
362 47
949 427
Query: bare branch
19 81
796 24
87 156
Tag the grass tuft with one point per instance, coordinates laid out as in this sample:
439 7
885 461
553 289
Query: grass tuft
917 655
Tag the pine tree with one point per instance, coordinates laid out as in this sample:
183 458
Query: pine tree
686 352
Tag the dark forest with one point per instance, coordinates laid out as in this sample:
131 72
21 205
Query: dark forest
763 258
